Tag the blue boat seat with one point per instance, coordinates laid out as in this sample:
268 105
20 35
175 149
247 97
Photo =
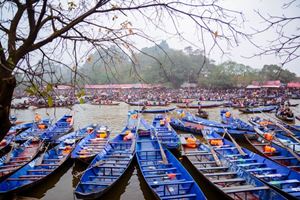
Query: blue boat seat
271 175
204 163
24 179
241 160
251 165
198 154
292 190
102 183
227 180
220 174
104 177
190 152
282 158
243 188
232 155
32 176
212 168
262 169
40 170
281 183
156 165
164 169
180 196
172 182
159 175
148 150
225 148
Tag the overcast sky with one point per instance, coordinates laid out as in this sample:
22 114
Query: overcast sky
245 50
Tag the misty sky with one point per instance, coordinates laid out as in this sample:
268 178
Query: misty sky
245 50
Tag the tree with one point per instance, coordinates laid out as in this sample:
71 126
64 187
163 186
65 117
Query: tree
286 43
34 32
274 72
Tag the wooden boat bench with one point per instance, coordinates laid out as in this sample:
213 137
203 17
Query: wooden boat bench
246 188
160 175
157 165
271 175
282 158
228 181
163 169
251 165
242 160
98 183
281 183
212 168
220 174
172 182
180 196
261 170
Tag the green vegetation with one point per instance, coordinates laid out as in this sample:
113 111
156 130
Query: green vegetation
162 64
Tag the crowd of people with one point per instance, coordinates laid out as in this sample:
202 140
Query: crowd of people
240 97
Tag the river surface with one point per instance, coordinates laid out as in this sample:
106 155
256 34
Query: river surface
131 187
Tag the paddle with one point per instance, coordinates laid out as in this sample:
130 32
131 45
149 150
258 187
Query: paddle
10 152
212 150
162 152
238 147
41 158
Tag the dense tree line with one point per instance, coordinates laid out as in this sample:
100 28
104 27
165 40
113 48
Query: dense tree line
171 67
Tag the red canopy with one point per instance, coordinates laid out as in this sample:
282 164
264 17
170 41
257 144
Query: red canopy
293 85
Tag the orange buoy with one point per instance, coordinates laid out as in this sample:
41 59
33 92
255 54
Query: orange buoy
191 142
216 142
268 136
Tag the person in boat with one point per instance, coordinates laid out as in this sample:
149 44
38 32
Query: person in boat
37 118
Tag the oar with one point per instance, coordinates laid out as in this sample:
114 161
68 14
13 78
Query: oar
238 147
41 158
163 155
212 150
290 133
10 152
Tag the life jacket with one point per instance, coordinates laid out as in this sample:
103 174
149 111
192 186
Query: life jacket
162 122
191 142
227 114
37 118
265 123
268 136
269 149
128 136
102 135
171 176
42 126
67 150
216 142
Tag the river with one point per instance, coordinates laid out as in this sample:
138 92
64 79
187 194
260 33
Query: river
131 187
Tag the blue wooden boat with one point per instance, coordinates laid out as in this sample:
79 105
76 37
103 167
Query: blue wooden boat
258 110
165 133
235 123
227 178
77 135
19 156
38 170
108 166
12 133
196 106
272 126
163 173
194 128
264 144
34 131
61 127
280 178
91 145
198 123
156 110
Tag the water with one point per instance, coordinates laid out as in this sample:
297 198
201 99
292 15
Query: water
61 185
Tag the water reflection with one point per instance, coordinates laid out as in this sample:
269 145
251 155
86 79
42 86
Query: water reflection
132 185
